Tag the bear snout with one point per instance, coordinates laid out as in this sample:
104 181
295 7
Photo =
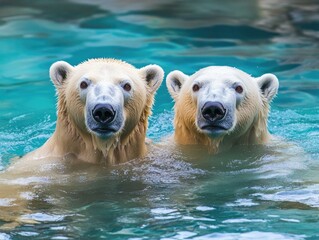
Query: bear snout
103 113
213 111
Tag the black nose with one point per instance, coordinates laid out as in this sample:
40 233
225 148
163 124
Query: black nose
213 111
103 113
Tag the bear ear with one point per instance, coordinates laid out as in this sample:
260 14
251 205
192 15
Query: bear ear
174 82
59 72
153 75
268 84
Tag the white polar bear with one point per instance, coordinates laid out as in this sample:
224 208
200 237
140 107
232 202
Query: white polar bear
221 106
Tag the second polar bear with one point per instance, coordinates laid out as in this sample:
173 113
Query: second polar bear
221 106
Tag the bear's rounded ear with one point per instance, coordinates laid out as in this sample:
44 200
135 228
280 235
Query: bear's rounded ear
59 72
268 84
153 75
174 82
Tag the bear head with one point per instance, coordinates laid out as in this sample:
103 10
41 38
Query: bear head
220 102
104 98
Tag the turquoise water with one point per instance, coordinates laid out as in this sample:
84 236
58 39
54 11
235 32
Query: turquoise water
269 192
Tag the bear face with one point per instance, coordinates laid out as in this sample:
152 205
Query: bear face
101 103
221 104
105 97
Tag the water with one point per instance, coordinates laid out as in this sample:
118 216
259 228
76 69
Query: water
266 192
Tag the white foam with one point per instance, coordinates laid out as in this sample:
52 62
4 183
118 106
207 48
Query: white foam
244 202
204 208
243 220
43 217
27 195
58 228
59 238
162 211
250 236
28 234
290 220
309 196
198 219
6 202
4 236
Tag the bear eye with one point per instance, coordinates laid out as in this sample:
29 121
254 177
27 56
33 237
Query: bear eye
239 89
127 87
83 85
195 87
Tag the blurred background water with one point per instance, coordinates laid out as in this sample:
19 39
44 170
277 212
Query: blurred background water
270 193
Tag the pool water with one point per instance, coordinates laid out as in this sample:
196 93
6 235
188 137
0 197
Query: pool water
261 192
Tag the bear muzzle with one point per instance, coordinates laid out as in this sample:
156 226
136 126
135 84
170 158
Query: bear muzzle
213 111
103 113
104 119
214 118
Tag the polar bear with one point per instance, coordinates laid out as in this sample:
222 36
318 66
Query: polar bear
220 106
102 116
102 111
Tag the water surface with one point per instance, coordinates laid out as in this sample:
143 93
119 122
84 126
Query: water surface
268 192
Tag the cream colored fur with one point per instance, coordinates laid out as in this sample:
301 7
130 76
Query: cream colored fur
251 114
72 143
71 135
